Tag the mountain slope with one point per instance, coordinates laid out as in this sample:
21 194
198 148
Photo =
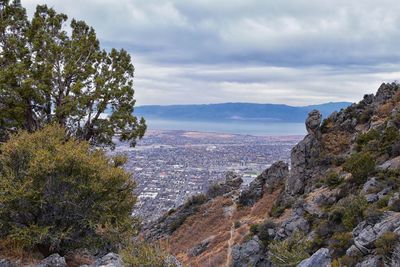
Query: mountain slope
236 111
338 205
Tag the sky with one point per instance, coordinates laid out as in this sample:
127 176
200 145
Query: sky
295 52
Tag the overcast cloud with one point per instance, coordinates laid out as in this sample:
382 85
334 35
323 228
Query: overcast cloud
295 52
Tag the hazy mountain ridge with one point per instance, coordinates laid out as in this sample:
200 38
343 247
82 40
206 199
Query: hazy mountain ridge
237 111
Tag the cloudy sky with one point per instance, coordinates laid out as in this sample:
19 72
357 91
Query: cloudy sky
295 52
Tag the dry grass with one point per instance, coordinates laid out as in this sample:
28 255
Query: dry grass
385 109
336 142
214 221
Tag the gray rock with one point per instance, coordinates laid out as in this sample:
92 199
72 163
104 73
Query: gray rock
385 92
269 179
353 251
295 223
321 258
249 254
313 122
109 260
392 164
369 186
366 235
305 156
171 261
394 202
7 263
54 260
232 182
370 261
200 248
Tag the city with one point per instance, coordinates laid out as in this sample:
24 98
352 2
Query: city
170 166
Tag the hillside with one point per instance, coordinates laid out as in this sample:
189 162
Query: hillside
237 111
338 205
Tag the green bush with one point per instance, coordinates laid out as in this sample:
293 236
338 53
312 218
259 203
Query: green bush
354 211
372 214
59 194
332 180
289 252
278 209
386 243
364 138
360 165
143 254
340 242
262 231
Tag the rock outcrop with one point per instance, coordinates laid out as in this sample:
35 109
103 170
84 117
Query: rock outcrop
269 179
321 258
304 156
249 253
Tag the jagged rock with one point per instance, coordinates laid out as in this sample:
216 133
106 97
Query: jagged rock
109 260
365 235
313 122
394 202
267 180
385 92
171 261
370 186
294 223
232 182
249 254
7 263
54 260
395 259
370 261
392 164
321 258
353 251
200 248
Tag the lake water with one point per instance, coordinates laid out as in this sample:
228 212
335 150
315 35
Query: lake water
232 127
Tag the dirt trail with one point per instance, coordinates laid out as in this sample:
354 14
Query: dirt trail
231 239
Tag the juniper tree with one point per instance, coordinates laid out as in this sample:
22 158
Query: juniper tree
49 74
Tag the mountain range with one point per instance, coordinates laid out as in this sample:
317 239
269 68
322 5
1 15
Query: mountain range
237 111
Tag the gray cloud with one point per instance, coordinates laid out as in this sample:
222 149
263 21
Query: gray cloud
295 52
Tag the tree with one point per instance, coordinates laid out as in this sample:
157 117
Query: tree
48 75
58 195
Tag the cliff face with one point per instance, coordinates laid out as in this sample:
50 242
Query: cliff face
339 200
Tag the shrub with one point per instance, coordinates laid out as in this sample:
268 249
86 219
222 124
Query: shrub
196 200
383 202
59 194
279 208
237 224
386 243
372 214
214 190
262 231
289 252
340 242
390 136
142 254
332 180
364 138
354 210
360 165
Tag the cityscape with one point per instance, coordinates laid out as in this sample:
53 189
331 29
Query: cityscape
169 166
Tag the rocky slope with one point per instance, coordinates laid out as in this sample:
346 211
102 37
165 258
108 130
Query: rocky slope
337 206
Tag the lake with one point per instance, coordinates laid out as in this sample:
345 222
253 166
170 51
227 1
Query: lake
232 127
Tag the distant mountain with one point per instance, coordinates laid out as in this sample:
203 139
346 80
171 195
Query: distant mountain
236 111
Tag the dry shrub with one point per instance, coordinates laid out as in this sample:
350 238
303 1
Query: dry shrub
336 142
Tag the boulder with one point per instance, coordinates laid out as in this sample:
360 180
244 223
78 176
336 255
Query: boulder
370 261
321 258
232 182
313 122
365 234
268 180
200 248
392 164
249 253
7 263
54 260
109 260
385 92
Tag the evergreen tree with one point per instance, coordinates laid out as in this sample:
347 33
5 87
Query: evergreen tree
48 75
